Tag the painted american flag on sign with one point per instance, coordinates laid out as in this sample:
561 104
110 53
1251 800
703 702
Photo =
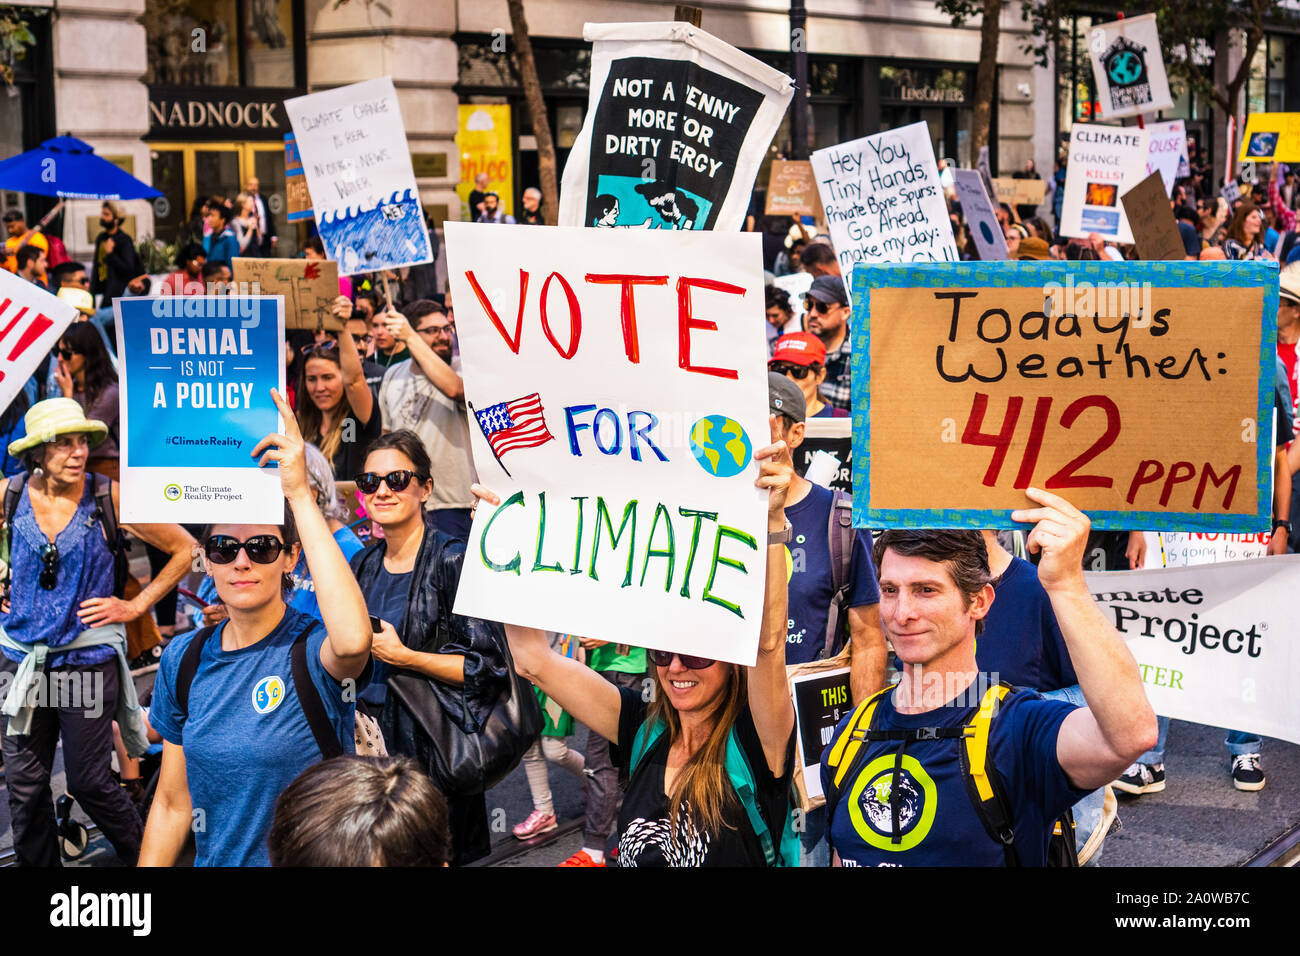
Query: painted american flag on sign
517 424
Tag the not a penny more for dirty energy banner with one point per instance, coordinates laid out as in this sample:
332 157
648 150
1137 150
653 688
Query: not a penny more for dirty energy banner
677 125
196 378
1141 392
358 167
883 199
1215 643
617 390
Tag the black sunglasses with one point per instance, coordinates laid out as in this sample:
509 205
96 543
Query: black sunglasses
49 566
815 305
397 481
362 339
665 659
786 368
261 548
66 353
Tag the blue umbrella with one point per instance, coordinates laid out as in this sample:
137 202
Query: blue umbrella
68 168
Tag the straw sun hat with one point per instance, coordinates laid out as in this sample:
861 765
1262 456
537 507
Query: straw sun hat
49 419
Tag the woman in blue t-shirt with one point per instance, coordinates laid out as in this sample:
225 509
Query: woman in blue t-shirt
242 736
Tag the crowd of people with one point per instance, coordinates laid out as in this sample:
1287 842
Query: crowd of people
687 761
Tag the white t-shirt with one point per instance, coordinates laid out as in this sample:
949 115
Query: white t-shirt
409 399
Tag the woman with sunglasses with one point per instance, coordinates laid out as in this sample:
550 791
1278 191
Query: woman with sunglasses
801 357
62 624
240 735
336 408
409 578
680 808
85 373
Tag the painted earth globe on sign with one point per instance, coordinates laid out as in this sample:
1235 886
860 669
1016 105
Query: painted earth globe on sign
720 445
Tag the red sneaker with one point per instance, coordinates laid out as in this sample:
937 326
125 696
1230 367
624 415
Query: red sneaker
581 858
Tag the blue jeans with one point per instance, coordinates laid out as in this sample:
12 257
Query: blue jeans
814 848
1238 742
1089 811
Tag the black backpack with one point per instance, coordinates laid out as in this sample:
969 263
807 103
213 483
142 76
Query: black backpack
104 513
983 785
308 696
839 534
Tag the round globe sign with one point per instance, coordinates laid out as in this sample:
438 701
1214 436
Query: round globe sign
720 445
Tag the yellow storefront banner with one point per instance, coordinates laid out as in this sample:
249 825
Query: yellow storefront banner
485 146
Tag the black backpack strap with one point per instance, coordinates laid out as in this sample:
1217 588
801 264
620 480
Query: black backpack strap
13 494
309 698
107 516
189 667
839 535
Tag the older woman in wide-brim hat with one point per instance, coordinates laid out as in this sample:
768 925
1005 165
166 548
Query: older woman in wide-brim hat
62 634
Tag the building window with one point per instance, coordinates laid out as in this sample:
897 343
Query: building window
221 42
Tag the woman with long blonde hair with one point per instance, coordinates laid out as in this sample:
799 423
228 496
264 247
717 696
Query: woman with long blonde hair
681 807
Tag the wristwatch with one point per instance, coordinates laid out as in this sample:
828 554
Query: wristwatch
1281 523
783 536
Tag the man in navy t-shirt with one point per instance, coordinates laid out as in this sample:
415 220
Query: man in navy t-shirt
935 592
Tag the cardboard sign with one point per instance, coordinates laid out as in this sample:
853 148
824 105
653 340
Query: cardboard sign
883 199
821 700
1105 162
1167 152
1020 192
622 450
31 321
296 194
486 147
309 287
196 378
978 212
1155 231
792 190
358 168
677 125
1215 643
1271 137
1100 381
1129 68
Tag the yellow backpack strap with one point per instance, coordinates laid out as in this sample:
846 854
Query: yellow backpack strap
977 739
846 747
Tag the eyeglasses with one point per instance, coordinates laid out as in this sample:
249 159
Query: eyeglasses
447 329
362 339
260 548
49 566
397 481
83 281
311 347
665 659
66 354
786 368
813 305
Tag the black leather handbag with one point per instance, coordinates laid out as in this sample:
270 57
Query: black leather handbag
467 763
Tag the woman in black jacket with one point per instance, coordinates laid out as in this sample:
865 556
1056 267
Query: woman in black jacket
409 579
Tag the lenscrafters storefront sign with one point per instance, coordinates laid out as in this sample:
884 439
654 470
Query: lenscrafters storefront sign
217 113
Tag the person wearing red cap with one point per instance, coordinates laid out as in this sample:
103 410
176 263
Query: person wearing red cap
801 357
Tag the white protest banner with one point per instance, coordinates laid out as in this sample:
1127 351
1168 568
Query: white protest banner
358 167
978 212
1129 68
31 321
1105 161
1216 643
196 378
622 449
677 125
1167 151
883 200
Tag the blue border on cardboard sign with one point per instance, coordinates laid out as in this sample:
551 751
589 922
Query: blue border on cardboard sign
958 275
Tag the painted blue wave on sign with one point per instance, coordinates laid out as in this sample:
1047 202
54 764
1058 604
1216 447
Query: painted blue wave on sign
389 235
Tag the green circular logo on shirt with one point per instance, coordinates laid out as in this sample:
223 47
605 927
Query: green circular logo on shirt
869 803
